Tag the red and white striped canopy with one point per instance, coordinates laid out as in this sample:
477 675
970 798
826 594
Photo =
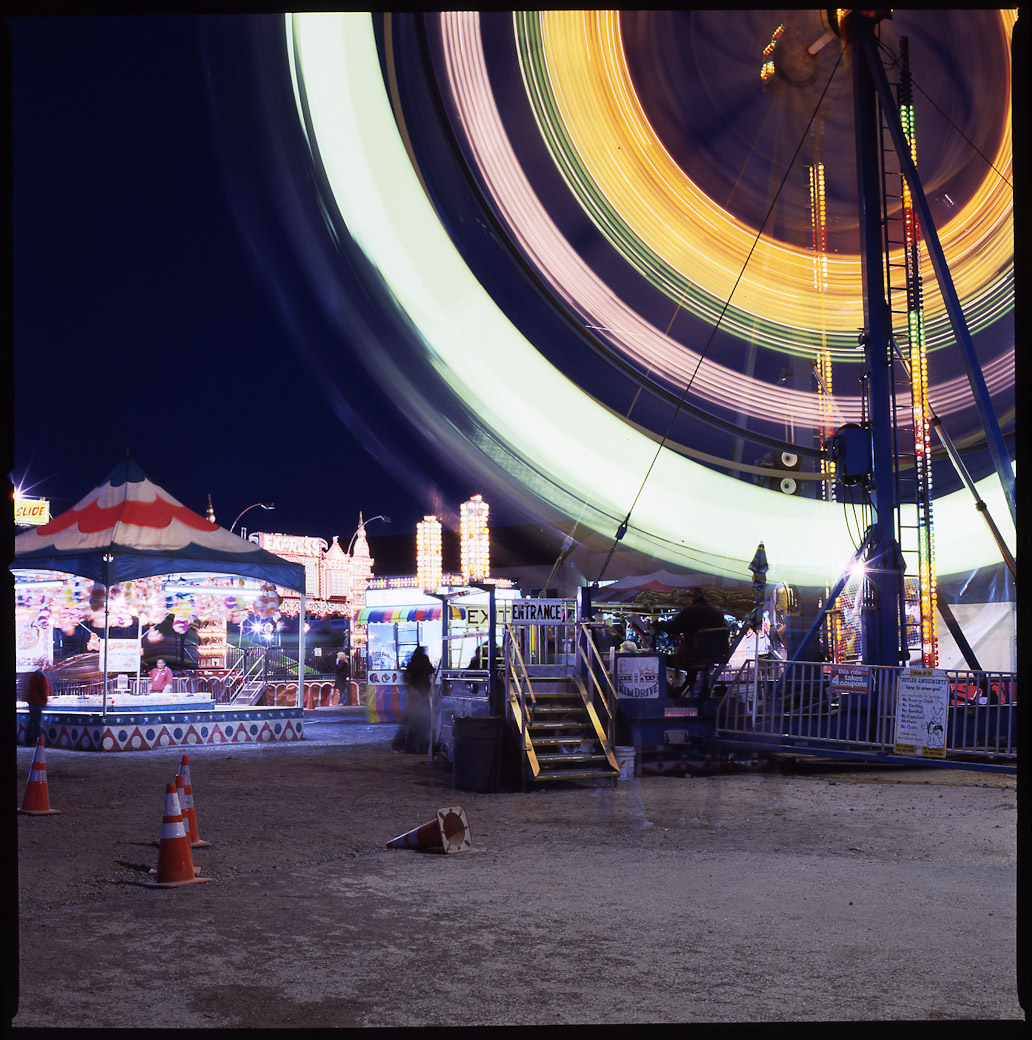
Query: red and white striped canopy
128 527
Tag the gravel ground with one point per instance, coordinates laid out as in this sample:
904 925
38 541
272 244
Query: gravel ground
832 895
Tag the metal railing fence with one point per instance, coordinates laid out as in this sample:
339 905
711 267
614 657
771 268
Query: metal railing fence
791 702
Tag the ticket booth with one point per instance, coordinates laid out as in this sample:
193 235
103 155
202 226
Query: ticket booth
392 635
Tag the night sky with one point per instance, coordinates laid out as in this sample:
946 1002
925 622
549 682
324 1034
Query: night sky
166 299
141 320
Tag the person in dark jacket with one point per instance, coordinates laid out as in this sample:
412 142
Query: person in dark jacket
343 676
36 696
417 676
687 627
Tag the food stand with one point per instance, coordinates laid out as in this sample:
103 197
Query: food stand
393 631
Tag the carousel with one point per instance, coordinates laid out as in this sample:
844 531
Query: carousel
137 575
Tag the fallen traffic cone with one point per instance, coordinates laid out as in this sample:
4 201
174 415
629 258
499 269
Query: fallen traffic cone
187 803
37 797
175 861
448 830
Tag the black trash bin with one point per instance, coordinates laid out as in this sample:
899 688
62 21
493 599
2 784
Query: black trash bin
476 749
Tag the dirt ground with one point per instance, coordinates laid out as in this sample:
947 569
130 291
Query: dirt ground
744 897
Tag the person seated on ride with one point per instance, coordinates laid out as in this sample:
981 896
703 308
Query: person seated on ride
701 640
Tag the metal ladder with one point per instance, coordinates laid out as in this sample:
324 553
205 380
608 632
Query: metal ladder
913 518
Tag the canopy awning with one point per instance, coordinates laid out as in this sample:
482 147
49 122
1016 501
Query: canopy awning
128 527
389 615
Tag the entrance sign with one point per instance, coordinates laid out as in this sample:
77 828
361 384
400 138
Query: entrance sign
922 697
540 611
637 676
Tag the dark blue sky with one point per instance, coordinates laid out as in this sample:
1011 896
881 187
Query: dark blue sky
139 319
153 311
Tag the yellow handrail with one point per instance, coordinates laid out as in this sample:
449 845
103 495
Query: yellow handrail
607 695
516 674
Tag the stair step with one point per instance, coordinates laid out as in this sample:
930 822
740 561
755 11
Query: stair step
569 728
577 774
569 757
559 741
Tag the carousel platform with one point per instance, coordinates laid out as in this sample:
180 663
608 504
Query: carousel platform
140 723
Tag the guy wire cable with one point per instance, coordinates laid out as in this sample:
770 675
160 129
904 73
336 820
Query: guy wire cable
622 530
568 542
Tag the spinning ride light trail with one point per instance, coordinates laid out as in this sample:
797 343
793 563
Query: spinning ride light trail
686 242
532 420
680 240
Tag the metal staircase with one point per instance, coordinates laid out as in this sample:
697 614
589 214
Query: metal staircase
249 693
252 682
556 723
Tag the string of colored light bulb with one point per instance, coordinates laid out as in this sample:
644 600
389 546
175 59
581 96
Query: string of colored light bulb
920 408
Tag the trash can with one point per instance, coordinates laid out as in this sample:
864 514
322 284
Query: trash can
476 746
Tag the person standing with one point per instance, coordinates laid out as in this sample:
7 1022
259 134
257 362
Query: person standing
36 696
688 626
418 676
161 677
343 676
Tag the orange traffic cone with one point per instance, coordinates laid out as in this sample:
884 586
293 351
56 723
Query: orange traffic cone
448 830
175 861
180 796
187 804
37 797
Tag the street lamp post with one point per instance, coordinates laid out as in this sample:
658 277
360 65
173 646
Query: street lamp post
350 647
361 527
264 505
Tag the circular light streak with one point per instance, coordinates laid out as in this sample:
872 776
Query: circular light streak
533 418
600 138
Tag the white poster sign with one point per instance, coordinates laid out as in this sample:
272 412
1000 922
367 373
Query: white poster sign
123 655
922 698
35 648
637 676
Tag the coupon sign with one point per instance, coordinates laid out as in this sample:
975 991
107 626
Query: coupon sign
922 696
847 679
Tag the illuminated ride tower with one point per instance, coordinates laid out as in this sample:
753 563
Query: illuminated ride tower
913 447
876 113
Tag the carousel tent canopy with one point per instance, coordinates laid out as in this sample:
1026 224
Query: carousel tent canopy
130 528
628 589
387 615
